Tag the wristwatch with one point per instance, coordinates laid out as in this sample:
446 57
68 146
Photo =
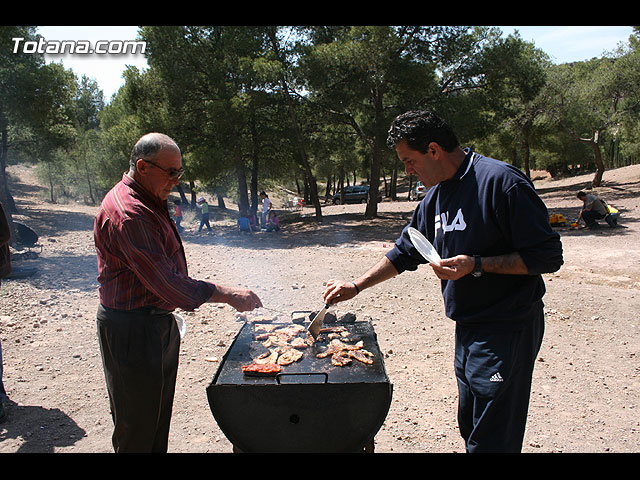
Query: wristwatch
477 269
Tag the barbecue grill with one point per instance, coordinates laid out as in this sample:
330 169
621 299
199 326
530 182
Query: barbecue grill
311 406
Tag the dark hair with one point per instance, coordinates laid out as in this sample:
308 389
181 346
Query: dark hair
419 128
581 194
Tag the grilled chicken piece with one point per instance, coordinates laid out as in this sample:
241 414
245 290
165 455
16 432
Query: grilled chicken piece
280 336
277 339
336 346
264 327
337 329
299 343
340 359
268 357
356 346
362 356
343 335
292 329
288 356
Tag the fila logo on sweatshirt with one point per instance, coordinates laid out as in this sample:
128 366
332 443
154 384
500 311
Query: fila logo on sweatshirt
458 223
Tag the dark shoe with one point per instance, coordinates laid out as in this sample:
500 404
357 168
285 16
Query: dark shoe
609 221
3 413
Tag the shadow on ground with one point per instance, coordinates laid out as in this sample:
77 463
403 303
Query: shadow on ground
40 429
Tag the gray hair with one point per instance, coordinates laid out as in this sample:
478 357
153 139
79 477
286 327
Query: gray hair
148 146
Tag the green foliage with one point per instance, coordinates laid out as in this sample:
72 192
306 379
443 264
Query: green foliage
227 94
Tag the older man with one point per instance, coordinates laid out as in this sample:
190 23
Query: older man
492 231
142 271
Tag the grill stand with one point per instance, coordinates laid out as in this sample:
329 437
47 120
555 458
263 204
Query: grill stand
368 448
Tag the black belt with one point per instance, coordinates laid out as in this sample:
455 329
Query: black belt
150 311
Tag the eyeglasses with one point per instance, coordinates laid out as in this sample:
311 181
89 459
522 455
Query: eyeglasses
172 172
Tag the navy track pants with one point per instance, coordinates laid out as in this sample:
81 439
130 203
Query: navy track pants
494 370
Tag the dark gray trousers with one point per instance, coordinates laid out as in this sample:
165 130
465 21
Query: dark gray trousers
140 359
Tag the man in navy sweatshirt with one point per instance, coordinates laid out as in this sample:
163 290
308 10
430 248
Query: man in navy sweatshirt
492 231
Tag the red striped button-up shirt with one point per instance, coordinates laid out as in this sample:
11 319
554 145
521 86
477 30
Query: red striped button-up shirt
141 260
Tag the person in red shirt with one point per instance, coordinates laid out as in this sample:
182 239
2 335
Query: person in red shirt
143 277
177 215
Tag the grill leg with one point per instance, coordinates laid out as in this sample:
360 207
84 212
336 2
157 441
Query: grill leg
369 447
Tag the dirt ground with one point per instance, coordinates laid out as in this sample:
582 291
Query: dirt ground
586 389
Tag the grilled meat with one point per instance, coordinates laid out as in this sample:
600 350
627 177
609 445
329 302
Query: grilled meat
362 356
268 357
265 327
299 343
340 359
342 353
288 356
285 344
256 370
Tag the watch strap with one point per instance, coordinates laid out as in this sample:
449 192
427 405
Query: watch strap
477 269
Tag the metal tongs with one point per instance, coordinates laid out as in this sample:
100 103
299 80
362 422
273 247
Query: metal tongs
315 326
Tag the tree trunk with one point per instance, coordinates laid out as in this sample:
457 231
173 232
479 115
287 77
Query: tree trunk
594 143
376 160
192 187
393 192
183 197
313 186
597 178
527 156
5 197
243 200
311 180
374 184
7 200
255 166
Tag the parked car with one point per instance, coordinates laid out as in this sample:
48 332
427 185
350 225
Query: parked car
418 191
354 194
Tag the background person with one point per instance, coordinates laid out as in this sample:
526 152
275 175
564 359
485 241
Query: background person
143 277
492 231
243 223
273 223
204 214
592 210
266 206
177 215
253 221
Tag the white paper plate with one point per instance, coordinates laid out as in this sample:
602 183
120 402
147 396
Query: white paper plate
423 246
182 325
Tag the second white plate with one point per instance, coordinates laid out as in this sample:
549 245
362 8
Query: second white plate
423 246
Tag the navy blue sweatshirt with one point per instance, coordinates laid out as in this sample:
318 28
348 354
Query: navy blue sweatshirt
488 208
